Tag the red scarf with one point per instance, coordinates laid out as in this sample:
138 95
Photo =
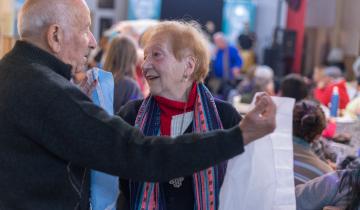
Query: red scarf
170 108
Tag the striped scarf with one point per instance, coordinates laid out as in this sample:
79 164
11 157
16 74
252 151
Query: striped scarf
206 183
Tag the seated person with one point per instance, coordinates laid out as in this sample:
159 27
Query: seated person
294 86
338 190
258 79
308 124
326 79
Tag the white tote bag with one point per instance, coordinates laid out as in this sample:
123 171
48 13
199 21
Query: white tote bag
262 178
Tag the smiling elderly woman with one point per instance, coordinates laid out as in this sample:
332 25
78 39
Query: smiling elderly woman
176 61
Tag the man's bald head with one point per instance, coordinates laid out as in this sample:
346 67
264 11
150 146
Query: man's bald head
60 27
36 15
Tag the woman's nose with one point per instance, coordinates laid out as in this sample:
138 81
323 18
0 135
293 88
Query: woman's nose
146 65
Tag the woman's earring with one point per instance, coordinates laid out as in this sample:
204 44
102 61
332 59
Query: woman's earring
185 77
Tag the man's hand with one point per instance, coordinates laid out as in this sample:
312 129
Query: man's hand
260 121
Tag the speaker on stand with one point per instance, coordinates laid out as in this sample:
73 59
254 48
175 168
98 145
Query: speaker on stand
280 56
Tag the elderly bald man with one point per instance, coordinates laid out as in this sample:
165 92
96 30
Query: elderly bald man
51 133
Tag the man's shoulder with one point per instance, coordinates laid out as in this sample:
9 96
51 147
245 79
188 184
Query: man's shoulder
35 80
47 79
30 75
28 90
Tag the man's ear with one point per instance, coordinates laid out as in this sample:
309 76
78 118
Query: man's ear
54 38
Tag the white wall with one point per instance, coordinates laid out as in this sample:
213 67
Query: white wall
266 17
350 35
320 13
351 14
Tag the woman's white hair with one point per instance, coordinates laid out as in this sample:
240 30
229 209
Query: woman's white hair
36 15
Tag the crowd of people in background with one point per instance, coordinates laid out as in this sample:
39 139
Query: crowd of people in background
233 72
137 77
64 147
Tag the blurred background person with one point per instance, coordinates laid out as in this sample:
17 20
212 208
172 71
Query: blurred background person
246 41
259 78
335 57
339 190
99 86
246 38
326 78
294 86
175 64
130 30
308 123
97 55
134 29
226 66
121 61
353 108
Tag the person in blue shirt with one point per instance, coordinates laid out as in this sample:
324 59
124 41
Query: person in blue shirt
227 62
99 86
226 66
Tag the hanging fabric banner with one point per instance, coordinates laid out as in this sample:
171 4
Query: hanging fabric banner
237 14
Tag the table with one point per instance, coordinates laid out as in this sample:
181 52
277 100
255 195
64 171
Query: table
352 148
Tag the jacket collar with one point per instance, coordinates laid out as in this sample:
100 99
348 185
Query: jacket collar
29 52
301 142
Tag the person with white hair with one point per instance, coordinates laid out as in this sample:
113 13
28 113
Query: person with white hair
52 133
259 78
336 58
264 79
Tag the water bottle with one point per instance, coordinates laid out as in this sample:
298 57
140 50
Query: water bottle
334 102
